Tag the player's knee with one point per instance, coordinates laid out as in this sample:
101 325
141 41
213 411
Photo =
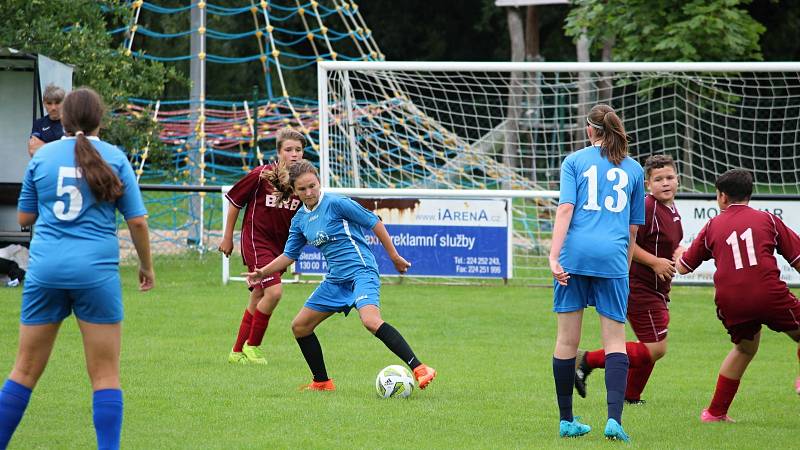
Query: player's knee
372 323
567 342
301 328
658 350
747 348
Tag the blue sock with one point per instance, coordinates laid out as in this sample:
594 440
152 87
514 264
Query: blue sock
564 375
14 399
616 379
107 404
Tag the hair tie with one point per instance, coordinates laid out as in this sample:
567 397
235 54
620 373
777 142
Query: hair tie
594 125
79 132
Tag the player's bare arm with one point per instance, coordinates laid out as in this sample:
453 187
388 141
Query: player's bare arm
26 219
632 230
663 267
400 264
563 219
34 143
140 235
277 265
681 268
226 246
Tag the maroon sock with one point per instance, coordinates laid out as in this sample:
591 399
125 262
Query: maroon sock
260 323
637 380
723 396
596 359
244 331
638 354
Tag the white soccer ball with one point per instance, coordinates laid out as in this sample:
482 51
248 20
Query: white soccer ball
394 381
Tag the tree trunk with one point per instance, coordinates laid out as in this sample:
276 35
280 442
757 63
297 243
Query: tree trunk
604 85
532 34
584 86
516 34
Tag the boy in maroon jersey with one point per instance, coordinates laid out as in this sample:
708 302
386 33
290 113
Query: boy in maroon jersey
749 291
265 228
650 279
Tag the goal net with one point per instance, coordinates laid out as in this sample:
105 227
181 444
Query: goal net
508 126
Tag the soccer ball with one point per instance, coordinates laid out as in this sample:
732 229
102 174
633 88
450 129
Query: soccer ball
394 381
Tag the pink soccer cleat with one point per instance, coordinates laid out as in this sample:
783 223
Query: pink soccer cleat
707 417
797 385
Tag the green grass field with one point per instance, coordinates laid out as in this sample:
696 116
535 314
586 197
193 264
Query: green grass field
492 348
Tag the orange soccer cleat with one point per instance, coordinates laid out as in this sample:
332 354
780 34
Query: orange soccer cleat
326 385
424 375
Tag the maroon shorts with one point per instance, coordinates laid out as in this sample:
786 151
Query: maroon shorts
778 316
650 325
263 259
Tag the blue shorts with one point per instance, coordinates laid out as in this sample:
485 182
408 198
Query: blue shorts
99 304
608 295
341 297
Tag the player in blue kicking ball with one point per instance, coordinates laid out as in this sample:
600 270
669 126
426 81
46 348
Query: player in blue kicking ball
333 224
600 208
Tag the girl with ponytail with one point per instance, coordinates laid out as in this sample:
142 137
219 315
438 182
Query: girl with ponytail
71 190
266 196
601 206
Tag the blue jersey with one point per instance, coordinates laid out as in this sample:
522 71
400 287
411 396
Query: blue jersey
334 227
74 241
47 130
607 198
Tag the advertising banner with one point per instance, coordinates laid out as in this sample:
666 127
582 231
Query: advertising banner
440 238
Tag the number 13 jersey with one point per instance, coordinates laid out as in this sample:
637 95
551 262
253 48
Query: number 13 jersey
607 198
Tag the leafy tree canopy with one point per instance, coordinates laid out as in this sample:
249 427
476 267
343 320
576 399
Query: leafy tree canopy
669 30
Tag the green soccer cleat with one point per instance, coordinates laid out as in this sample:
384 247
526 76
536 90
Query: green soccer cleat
614 431
254 354
573 429
237 358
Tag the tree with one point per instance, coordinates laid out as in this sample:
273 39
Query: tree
669 30
78 35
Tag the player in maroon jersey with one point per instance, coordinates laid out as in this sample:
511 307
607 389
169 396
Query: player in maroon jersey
748 288
265 228
650 281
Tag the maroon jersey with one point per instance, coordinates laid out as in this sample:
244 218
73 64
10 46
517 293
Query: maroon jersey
660 236
265 226
742 241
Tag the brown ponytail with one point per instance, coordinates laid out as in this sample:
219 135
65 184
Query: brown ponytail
608 127
81 113
278 177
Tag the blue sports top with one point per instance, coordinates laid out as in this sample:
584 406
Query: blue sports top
334 227
47 130
607 198
74 241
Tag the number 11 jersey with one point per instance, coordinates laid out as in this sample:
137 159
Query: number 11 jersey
607 198
742 241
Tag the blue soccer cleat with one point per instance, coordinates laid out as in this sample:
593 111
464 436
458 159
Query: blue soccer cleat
615 432
573 429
